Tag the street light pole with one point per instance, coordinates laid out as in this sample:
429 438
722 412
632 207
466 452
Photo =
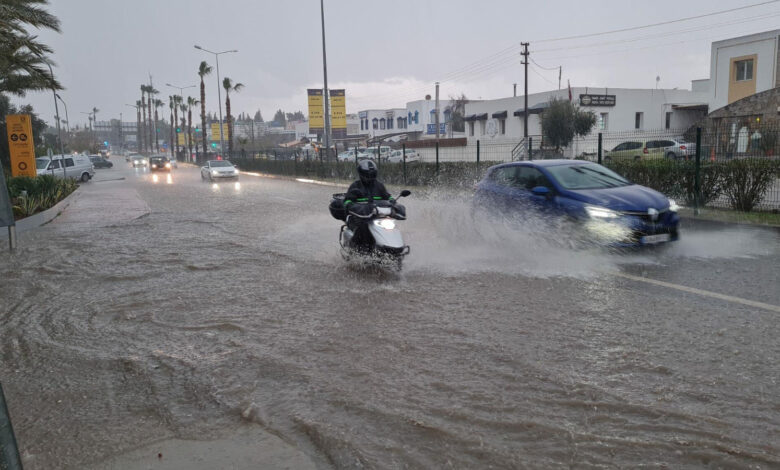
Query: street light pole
325 97
219 93
57 112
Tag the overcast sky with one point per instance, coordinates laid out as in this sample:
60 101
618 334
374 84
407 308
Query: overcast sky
384 53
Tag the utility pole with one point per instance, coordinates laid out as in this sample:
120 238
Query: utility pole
325 95
525 98
560 72
437 112
121 140
514 86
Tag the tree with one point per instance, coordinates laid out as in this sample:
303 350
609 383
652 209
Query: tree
279 118
23 62
562 121
142 147
151 92
172 141
176 101
229 86
296 116
457 113
157 104
203 69
190 103
258 116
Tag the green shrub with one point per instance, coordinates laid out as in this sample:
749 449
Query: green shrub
42 192
745 181
665 176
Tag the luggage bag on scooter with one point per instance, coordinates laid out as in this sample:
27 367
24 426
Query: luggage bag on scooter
336 207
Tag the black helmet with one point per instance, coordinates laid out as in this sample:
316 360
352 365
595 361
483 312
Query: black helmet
367 171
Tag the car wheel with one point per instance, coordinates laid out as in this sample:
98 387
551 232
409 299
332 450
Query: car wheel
84 177
671 156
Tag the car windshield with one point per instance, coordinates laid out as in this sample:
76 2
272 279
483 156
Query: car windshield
41 163
589 176
219 164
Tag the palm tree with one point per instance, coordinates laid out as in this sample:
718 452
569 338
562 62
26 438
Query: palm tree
150 92
143 118
171 143
203 70
138 125
176 101
229 86
190 103
23 62
157 104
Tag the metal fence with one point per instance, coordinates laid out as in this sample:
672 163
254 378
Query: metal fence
736 167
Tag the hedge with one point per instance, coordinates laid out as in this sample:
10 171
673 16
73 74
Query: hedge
31 195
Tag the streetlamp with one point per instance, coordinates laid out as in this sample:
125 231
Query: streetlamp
67 119
57 111
219 93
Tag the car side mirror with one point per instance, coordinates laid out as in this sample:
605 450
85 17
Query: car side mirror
405 193
541 191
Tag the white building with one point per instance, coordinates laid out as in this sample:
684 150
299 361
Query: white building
379 122
417 117
742 66
616 109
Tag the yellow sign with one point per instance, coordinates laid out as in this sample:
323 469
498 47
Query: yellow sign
215 131
316 114
181 137
21 145
338 110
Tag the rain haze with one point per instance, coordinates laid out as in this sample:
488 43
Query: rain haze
583 276
383 54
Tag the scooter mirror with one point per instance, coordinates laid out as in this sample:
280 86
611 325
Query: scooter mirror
405 193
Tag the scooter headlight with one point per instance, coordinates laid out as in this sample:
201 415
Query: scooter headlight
387 224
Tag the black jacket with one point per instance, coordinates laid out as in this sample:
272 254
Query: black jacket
359 192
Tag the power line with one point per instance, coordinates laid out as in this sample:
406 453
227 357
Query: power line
679 20
545 68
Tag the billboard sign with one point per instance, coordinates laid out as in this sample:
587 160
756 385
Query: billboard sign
431 129
597 100
316 114
338 113
21 145
215 131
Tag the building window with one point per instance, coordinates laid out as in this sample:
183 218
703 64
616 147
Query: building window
375 123
382 123
399 122
744 70
361 124
502 125
471 128
668 120
603 121
482 127
389 123
639 120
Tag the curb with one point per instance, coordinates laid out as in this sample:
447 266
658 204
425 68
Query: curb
692 221
43 218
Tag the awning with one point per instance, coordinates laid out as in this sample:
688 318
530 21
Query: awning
470 118
692 107
481 117
500 115
535 109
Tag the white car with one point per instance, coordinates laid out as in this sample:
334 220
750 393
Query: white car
397 156
75 166
218 169
349 155
139 160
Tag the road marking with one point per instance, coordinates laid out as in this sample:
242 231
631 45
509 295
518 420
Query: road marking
706 293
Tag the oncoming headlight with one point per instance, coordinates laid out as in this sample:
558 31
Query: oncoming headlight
214 172
387 224
673 205
598 212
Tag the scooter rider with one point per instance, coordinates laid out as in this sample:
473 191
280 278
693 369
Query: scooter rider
366 189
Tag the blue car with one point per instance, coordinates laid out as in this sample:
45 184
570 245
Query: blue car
610 209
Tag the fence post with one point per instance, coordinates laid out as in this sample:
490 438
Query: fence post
276 157
437 159
378 156
9 452
697 180
477 153
403 149
356 155
530 148
600 148
322 165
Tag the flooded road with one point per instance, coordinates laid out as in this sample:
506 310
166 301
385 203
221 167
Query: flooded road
184 309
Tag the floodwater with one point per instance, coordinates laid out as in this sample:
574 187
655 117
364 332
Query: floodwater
213 305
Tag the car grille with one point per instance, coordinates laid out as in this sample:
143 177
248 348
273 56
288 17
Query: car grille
647 218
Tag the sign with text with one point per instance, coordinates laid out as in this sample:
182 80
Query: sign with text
431 129
338 113
316 113
21 145
215 131
597 100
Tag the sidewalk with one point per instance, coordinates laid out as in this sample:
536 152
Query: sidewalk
103 202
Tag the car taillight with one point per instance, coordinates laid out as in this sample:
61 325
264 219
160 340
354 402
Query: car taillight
645 150
682 147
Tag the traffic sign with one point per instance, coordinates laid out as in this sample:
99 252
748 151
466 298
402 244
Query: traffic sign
20 143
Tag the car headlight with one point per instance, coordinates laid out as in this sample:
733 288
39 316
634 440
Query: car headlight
598 212
387 224
154 166
673 205
145 161
167 165
214 172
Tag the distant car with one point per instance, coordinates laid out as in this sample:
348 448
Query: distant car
349 155
397 156
672 149
607 208
75 166
100 162
382 151
129 157
218 169
158 163
139 160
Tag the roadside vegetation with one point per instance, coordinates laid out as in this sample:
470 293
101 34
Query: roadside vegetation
32 195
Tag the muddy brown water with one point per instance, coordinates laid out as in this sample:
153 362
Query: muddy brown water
493 349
